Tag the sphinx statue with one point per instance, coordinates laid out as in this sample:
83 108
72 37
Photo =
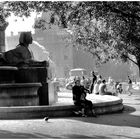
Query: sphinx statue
21 55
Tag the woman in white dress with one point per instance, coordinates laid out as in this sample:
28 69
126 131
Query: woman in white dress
96 87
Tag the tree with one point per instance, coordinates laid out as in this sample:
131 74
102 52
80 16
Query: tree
108 30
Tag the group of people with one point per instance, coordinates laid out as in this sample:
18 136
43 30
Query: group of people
22 55
117 86
97 86
111 87
80 88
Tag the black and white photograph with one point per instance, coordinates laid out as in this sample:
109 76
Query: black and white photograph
69 69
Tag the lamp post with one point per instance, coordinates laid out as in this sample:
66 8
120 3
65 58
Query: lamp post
2 35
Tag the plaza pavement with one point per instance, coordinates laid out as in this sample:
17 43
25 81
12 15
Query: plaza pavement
125 125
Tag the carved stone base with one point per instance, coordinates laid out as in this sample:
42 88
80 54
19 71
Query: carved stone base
7 74
19 94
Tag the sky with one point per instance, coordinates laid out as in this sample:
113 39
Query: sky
17 24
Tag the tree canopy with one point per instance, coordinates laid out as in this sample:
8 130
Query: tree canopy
107 29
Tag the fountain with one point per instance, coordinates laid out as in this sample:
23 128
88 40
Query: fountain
23 81
23 86
28 85
25 92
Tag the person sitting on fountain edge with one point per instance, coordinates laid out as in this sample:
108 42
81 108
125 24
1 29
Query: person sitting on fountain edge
79 98
103 89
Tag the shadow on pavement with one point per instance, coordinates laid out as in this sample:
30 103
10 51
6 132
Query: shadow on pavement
126 137
128 109
124 118
4 134
73 136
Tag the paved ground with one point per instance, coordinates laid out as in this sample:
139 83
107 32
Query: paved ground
116 126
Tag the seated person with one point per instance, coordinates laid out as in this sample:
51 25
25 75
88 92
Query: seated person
110 81
119 88
111 84
79 98
99 77
116 84
103 89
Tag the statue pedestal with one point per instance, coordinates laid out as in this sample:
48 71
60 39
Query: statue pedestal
7 74
19 94
23 86
33 75
27 75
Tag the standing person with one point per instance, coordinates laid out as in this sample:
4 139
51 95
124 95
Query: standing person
96 87
94 79
79 98
129 86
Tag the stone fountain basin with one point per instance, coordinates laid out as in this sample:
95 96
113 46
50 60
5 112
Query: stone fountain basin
102 106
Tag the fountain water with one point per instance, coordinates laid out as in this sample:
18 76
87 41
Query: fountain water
41 54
